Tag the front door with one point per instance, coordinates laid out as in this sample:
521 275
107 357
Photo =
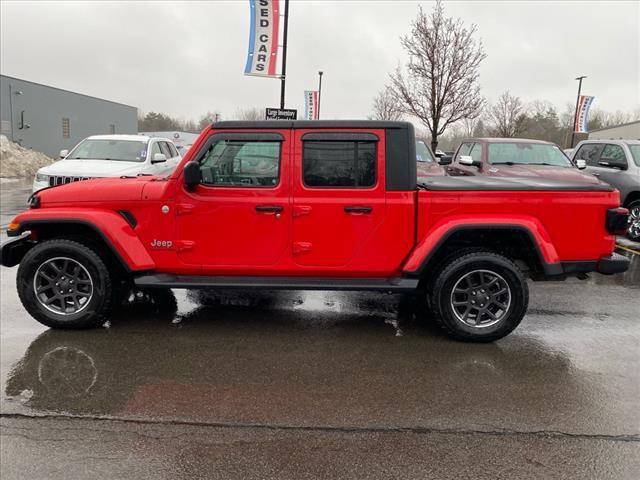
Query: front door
237 220
339 200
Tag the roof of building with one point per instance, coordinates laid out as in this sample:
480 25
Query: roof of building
67 91
615 126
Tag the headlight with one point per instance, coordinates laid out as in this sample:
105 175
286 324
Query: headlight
41 177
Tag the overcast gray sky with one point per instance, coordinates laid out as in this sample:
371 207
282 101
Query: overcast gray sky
185 58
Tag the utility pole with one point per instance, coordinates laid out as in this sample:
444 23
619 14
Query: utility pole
575 114
284 52
319 91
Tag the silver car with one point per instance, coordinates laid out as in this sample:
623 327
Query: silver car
616 162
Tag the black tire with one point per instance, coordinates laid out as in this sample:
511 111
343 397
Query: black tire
471 267
633 232
92 313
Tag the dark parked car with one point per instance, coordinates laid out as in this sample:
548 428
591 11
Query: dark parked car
514 157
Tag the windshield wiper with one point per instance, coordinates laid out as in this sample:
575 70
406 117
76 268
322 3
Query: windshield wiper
502 163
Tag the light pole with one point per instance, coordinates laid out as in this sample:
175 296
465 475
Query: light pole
319 91
575 114
284 53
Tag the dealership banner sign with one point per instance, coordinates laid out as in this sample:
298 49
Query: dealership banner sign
582 114
263 38
311 105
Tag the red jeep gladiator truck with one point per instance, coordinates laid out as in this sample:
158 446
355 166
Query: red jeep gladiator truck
326 205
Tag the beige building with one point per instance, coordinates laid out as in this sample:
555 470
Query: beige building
626 131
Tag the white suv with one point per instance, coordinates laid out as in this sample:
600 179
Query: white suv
110 156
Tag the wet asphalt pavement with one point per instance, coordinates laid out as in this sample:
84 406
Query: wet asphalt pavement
323 385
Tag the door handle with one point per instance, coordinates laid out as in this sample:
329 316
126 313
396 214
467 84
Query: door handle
269 208
596 174
358 209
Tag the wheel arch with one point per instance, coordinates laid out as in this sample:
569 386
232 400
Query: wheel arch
123 250
515 241
631 197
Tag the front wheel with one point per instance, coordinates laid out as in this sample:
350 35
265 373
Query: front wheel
633 232
64 284
479 297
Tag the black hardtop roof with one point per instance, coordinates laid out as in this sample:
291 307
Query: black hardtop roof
308 124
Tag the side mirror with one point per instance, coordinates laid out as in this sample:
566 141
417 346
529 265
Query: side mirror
468 160
613 163
64 153
192 176
581 164
445 160
158 158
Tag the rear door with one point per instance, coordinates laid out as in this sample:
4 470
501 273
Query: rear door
338 199
609 174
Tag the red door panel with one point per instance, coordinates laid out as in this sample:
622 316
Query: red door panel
335 227
247 227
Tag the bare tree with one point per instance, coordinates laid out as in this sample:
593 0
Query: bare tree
208 118
439 85
386 106
508 116
249 114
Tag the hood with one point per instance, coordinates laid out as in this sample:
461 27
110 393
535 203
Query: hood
92 168
569 174
429 169
98 190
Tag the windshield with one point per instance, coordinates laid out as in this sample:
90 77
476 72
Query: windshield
423 154
527 154
635 152
106 149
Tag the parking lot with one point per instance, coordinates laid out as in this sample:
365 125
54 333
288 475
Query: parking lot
324 384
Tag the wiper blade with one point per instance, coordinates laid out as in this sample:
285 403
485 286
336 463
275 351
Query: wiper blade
502 163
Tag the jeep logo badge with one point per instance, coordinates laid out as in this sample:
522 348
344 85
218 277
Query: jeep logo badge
161 243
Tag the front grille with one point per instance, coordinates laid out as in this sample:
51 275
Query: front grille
60 180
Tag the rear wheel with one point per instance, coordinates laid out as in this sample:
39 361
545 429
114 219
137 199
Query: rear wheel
64 284
479 297
633 232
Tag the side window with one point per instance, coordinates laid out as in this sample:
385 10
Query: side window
339 164
240 163
613 152
165 149
590 153
476 152
464 149
155 148
174 150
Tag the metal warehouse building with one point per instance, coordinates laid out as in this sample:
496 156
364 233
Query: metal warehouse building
49 119
626 131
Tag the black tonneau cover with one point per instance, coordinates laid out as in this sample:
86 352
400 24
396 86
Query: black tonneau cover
482 183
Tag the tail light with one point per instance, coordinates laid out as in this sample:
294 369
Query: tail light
616 221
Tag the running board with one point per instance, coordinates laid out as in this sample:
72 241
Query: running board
398 284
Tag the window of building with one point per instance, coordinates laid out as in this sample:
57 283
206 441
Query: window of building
240 163
112 129
339 163
66 128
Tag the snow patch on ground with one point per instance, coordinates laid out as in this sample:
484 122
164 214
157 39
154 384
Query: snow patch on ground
17 161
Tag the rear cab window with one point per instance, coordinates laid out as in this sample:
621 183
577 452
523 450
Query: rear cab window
347 160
